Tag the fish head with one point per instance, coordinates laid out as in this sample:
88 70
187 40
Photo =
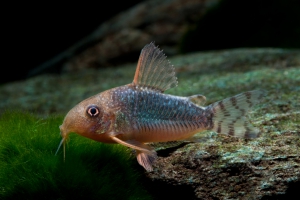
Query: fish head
89 119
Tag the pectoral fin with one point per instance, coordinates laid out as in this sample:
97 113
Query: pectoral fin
145 155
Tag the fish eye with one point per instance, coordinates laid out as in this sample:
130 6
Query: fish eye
93 111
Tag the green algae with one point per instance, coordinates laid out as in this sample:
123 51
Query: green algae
30 170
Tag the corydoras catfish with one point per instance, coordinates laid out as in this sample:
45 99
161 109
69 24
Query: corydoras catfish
140 112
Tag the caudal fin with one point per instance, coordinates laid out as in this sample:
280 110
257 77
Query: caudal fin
228 115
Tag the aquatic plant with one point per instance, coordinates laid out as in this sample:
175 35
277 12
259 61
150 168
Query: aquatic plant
30 170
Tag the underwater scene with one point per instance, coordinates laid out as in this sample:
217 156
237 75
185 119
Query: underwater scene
161 105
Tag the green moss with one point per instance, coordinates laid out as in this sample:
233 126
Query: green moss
30 170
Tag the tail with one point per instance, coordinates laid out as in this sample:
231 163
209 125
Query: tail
228 116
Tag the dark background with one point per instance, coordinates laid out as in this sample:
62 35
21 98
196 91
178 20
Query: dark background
34 33
255 23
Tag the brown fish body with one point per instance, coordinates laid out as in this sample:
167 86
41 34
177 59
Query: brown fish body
146 115
138 113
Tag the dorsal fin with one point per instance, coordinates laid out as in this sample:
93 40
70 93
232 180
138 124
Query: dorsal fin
154 70
198 99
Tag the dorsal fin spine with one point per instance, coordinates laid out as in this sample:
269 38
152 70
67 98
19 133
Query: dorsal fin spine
153 70
156 68
137 75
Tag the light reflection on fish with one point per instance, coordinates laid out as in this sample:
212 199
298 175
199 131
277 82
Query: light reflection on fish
139 113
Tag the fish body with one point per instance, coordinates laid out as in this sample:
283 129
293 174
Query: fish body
150 116
140 112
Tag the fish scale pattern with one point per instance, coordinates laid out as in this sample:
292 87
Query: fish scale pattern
151 111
